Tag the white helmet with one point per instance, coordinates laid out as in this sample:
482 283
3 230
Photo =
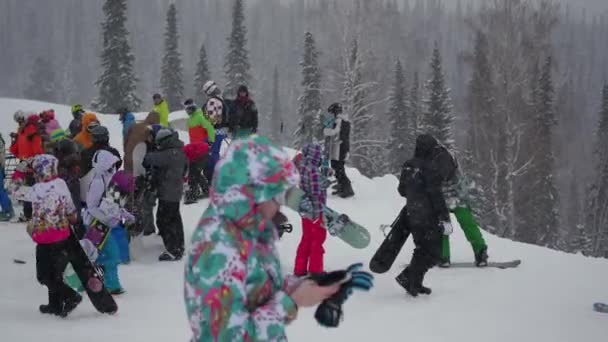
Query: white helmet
210 87
19 116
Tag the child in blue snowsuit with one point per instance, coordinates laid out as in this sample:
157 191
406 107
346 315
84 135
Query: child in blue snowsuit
103 210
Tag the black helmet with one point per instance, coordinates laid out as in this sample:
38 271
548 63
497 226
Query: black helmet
100 135
335 108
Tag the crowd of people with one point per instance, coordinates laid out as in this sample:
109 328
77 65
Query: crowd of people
75 183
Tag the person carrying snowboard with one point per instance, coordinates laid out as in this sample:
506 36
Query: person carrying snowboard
425 216
455 190
104 212
217 111
49 228
243 119
234 287
162 108
309 255
168 168
339 148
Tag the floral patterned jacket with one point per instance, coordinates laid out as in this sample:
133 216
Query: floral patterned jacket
234 289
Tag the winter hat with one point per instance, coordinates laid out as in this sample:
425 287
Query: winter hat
156 96
58 135
124 181
210 87
48 115
19 116
100 135
162 135
45 167
425 143
31 117
77 108
252 172
335 108
189 106
243 89
155 129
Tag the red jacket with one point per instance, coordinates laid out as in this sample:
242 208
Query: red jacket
28 143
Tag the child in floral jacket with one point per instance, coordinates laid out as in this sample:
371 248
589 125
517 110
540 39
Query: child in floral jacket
53 213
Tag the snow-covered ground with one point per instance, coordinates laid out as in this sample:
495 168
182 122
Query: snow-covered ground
548 298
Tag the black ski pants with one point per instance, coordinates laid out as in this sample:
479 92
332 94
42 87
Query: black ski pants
169 220
197 181
27 206
338 167
143 208
427 253
51 261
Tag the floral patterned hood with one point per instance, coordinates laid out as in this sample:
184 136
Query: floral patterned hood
253 171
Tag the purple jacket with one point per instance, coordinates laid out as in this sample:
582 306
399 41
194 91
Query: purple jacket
312 182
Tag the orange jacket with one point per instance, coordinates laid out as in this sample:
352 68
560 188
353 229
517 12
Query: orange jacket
28 143
84 138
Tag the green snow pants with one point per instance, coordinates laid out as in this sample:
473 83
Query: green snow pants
469 226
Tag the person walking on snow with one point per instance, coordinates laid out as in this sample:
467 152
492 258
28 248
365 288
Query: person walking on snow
233 253
162 108
103 211
168 168
76 123
5 202
339 148
425 216
309 255
455 190
243 120
49 228
217 111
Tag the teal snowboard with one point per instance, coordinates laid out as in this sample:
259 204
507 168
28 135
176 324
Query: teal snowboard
337 224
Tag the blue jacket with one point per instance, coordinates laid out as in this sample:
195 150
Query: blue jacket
127 121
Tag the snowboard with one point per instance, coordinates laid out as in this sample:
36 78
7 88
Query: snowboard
90 277
337 224
385 255
491 264
600 307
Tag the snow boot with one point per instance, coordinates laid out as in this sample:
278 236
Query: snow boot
69 305
7 216
407 283
445 263
481 258
47 309
346 191
425 290
166 256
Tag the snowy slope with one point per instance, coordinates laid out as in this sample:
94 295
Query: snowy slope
548 298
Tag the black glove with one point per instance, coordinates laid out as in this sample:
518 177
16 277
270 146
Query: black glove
329 312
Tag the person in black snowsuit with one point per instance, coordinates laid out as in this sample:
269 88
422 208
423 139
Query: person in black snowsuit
101 141
168 167
337 138
243 117
426 214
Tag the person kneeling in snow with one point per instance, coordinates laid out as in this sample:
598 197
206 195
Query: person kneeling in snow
309 257
101 212
168 168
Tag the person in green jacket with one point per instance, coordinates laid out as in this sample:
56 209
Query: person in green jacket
162 108
200 128
234 285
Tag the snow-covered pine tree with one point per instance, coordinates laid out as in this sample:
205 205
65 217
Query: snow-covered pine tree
203 74
366 151
310 101
43 81
171 81
276 115
237 64
414 103
476 164
437 115
402 136
543 192
597 198
117 82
